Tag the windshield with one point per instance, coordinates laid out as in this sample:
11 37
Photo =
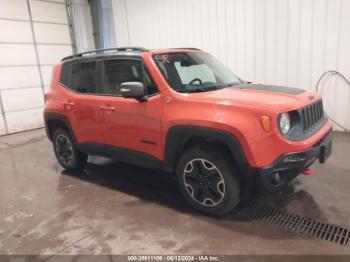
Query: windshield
195 72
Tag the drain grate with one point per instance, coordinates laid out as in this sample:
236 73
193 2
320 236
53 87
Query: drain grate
297 223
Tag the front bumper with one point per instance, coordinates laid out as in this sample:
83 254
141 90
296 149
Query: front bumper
288 166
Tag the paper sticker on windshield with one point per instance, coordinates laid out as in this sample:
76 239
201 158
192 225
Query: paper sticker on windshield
162 59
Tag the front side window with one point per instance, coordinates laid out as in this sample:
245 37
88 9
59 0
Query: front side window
119 71
80 77
194 72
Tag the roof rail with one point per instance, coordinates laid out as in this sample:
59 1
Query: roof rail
117 49
189 48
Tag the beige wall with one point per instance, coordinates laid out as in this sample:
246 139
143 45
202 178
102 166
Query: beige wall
25 69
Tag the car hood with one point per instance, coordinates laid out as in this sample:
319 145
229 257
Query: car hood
276 98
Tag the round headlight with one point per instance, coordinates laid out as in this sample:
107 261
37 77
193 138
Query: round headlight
284 123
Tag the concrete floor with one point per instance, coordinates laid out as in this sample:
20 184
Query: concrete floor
113 208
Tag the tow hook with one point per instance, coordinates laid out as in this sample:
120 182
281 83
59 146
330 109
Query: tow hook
307 171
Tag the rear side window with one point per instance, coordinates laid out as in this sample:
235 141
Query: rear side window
117 72
65 75
80 77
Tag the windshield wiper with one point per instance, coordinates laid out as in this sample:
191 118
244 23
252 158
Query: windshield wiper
208 88
200 89
230 84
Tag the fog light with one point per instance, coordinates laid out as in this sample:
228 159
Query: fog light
275 178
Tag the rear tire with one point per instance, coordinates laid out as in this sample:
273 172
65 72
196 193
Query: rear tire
66 152
208 180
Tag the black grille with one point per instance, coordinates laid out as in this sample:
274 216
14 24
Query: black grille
312 115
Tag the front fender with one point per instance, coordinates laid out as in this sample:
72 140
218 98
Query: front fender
178 135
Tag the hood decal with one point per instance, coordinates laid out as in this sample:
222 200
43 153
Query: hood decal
271 88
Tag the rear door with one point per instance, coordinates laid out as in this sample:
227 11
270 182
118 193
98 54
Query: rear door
131 124
82 103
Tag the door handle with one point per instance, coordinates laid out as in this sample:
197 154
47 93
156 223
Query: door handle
108 108
68 103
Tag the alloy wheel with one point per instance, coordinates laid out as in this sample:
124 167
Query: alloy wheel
64 149
204 182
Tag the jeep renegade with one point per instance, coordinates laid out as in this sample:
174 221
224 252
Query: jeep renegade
182 111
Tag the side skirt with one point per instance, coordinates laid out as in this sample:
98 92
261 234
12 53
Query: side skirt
121 154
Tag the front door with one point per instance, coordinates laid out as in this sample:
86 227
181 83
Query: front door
130 126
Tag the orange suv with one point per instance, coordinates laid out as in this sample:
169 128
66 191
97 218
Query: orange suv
182 111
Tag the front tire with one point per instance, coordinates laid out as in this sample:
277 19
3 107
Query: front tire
66 152
208 180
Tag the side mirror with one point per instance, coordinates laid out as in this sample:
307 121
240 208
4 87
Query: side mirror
135 90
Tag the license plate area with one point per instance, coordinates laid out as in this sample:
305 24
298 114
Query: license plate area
325 152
